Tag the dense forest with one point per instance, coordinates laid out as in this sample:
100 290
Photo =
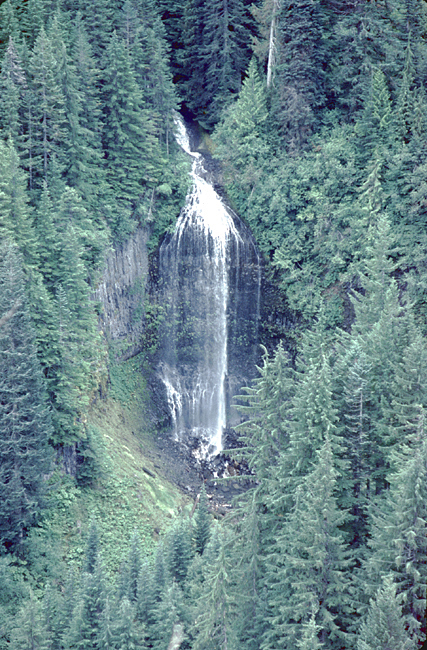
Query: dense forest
317 113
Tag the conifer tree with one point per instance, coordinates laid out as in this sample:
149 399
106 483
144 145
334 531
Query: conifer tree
215 56
202 522
298 89
86 626
170 617
127 633
313 408
308 566
46 126
86 173
13 87
106 636
29 631
213 626
251 538
92 548
241 135
25 423
99 23
384 627
9 22
266 432
180 552
134 563
130 148
15 213
399 539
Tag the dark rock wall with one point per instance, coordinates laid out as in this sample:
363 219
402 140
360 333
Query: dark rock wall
122 289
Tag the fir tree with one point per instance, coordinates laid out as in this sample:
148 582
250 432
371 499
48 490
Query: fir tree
399 541
308 566
215 56
87 621
202 522
86 173
127 632
212 626
384 627
47 126
179 552
15 213
13 87
298 89
170 617
132 156
25 419
29 631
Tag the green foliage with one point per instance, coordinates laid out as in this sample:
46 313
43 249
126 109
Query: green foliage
202 522
384 626
25 422
214 57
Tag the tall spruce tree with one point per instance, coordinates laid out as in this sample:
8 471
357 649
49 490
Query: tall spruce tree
25 423
129 145
202 523
298 88
13 87
47 131
384 627
215 56
308 567
398 539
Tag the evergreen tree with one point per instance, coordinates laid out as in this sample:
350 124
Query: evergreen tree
298 88
202 522
212 626
170 617
308 566
179 552
98 19
86 172
13 87
87 621
29 631
377 129
46 128
127 633
92 548
266 432
313 408
134 563
310 639
9 21
214 57
130 148
106 636
24 417
241 136
247 552
55 621
15 213
384 627
399 541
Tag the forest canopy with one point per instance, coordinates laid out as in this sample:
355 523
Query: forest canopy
316 111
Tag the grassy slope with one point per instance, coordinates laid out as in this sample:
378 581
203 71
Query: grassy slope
124 497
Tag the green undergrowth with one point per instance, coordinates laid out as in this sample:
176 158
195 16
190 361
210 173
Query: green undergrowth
126 493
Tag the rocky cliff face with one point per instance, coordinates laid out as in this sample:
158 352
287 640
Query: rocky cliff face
122 290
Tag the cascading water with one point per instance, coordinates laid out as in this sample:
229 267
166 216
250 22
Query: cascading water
197 266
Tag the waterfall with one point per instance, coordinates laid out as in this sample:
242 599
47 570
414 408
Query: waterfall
199 269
